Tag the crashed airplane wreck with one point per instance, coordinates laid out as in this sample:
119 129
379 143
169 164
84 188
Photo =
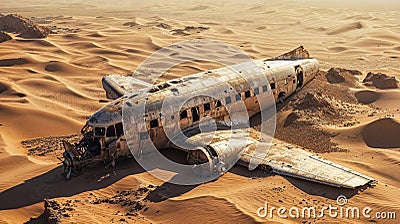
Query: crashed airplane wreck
104 138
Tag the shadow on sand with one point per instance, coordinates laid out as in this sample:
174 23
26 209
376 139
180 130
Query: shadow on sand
326 191
168 190
52 184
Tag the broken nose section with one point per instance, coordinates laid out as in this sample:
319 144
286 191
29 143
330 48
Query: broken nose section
72 160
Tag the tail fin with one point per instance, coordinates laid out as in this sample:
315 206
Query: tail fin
298 53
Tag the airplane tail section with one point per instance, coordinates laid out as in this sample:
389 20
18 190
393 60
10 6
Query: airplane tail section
298 53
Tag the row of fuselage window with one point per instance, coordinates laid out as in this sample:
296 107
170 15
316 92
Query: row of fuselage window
207 106
111 131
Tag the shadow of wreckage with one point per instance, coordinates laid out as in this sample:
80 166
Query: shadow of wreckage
52 184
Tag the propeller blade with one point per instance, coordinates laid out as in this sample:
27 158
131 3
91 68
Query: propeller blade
68 175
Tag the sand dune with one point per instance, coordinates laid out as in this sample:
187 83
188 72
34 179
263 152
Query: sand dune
367 96
49 86
348 28
382 133
387 99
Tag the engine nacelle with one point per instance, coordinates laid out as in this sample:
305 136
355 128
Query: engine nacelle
218 157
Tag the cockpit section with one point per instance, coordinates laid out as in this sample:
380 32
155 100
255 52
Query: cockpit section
112 131
99 137
99 142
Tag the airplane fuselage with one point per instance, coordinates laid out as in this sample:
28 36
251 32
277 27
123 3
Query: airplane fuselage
216 94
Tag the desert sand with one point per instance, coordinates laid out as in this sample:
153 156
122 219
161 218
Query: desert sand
49 86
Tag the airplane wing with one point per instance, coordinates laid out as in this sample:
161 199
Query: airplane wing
291 160
278 157
117 85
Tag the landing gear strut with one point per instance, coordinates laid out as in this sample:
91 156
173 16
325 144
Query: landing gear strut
67 168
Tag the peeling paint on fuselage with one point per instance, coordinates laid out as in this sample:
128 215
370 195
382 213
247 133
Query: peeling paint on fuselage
238 83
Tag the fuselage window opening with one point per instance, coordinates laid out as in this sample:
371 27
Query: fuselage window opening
256 91
99 131
183 114
281 95
195 114
300 76
218 103
247 94
238 97
228 100
159 87
207 107
110 131
119 128
154 123
265 88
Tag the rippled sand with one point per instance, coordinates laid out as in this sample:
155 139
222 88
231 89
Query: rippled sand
49 86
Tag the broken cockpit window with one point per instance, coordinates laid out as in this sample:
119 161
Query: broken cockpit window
110 131
119 128
87 129
99 131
